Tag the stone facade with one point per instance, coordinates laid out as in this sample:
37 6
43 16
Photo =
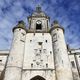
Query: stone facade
39 52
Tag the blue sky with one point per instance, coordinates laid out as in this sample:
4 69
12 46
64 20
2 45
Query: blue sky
67 12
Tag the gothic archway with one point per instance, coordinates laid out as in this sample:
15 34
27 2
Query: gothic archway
37 78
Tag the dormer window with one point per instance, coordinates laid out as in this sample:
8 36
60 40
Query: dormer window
38 25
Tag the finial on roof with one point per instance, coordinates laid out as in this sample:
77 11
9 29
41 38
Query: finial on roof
21 24
38 8
56 24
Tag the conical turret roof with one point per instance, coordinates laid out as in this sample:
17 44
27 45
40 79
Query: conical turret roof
56 25
20 24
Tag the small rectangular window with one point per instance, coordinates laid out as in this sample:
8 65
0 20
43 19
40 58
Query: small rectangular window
54 37
40 43
0 60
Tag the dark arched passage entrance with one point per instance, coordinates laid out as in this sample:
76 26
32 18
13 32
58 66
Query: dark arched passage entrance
37 78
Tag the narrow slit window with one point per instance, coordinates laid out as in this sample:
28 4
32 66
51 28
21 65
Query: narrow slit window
31 64
47 65
23 34
30 40
46 41
22 40
40 51
73 64
50 52
34 34
0 60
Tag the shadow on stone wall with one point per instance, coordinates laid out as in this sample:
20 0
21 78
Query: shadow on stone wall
2 75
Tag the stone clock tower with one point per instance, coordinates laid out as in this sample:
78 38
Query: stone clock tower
39 52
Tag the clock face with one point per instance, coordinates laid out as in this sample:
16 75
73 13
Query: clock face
38 22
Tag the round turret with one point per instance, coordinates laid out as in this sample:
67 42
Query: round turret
15 59
62 63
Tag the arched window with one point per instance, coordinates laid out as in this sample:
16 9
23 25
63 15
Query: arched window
38 25
37 78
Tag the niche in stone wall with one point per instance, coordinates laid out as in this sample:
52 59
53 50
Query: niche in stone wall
50 52
46 65
31 65
44 51
40 45
73 64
